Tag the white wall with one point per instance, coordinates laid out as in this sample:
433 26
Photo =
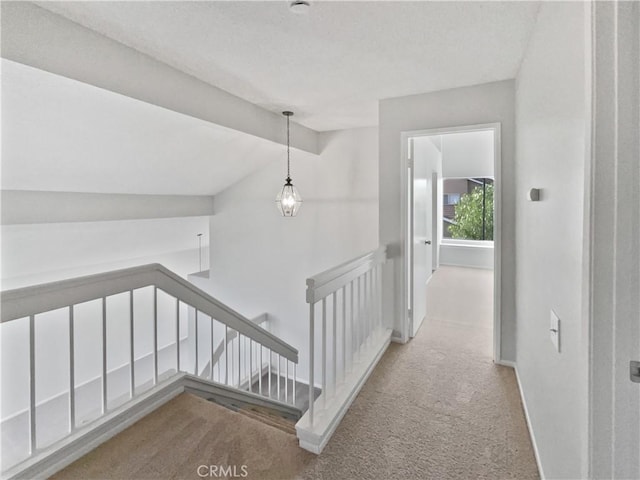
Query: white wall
481 104
38 253
550 150
260 260
463 254
468 154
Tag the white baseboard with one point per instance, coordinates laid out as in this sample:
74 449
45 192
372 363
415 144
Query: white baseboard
465 265
528 419
506 363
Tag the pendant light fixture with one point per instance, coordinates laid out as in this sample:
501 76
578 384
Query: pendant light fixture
288 200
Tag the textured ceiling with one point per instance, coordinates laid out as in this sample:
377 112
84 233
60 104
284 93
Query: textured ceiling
80 138
330 66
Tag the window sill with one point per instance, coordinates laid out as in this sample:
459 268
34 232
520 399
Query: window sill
467 243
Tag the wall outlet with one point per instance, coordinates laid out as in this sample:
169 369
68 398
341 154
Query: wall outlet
554 330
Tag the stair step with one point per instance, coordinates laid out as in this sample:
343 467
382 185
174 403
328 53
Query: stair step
262 414
270 418
276 458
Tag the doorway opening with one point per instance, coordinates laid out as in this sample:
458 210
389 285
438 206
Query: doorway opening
451 223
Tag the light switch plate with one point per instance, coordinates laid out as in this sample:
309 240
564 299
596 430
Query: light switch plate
554 330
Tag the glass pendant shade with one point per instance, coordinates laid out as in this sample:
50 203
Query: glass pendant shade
288 200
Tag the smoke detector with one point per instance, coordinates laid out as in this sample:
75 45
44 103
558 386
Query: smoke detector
299 7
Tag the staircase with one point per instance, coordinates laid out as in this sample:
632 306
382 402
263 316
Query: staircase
93 355
142 336
188 432
267 416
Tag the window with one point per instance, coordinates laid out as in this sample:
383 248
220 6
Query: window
467 211
451 198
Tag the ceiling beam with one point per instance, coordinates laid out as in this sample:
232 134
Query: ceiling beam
34 36
21 207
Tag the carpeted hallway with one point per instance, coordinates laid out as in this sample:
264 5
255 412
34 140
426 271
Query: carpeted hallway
436 408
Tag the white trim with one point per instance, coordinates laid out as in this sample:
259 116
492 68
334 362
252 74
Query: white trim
497 226
506 363
430 278
36 299
611 244
477 267
315 438
459 242
324 284
532 435
497 243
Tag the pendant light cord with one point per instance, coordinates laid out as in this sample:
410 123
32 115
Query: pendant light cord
288 153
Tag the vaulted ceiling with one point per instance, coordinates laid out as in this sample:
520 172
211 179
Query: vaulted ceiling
63 135
332 65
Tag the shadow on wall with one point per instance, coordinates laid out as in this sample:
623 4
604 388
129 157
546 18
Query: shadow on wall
260 260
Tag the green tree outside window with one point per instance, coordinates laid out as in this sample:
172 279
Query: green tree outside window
469 215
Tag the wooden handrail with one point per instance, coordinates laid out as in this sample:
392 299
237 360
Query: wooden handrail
32 300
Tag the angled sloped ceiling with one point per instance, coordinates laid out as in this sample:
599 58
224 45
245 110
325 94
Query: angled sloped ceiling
64 135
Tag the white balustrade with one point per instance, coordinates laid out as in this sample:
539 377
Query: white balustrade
231 347
360 277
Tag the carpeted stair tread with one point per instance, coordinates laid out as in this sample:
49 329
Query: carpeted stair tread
187 432
270 418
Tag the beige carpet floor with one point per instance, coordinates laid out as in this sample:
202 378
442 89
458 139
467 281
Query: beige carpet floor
173 441
436 408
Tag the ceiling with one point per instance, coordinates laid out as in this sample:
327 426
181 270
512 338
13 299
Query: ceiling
80 138
330 66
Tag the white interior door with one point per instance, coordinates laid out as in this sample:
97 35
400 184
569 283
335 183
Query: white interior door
436 223
421 206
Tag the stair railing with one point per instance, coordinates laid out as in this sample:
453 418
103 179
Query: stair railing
245 349
353 290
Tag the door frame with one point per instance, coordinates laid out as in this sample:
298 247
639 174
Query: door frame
406 268
611 277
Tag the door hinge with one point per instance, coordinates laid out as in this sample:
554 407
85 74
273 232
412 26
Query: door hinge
409 162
